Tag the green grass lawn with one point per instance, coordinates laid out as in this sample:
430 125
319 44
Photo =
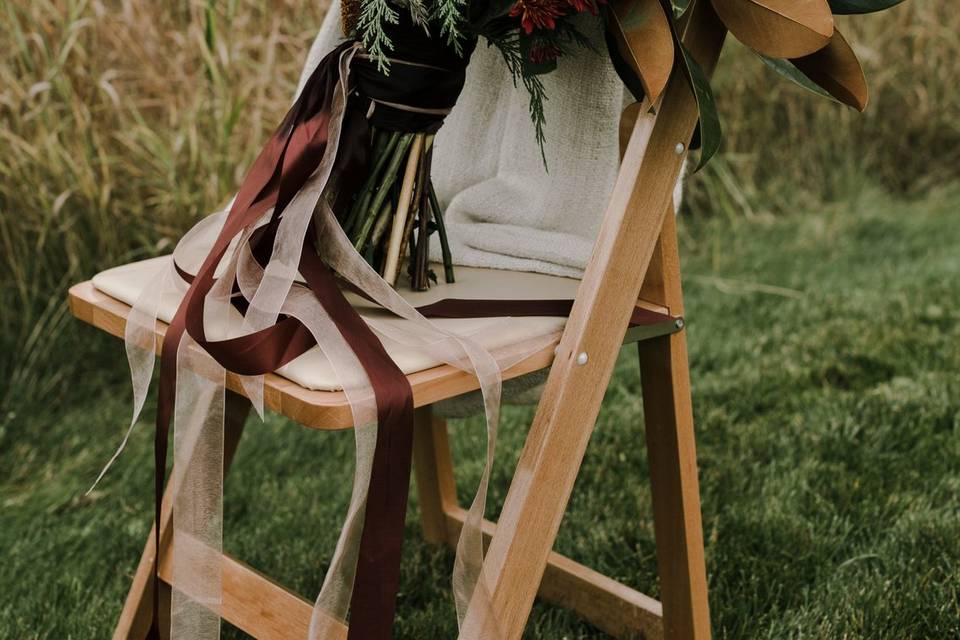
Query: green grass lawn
825 356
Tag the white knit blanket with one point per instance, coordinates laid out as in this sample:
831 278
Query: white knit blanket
503 208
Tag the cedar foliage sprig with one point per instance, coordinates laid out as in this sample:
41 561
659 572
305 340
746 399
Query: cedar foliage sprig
418 12
450 15
504 35
374 14
507 41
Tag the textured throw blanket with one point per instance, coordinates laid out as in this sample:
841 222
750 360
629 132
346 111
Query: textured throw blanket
503 208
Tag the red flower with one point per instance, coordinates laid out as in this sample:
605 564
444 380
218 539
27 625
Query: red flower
583 5
541 53
538 14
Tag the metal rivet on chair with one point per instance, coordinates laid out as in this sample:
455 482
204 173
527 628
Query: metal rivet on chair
680 148
582 358
679 323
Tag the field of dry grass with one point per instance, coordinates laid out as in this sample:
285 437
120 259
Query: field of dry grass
120 123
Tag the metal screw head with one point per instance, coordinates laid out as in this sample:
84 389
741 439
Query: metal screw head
680 148
582 358
679 323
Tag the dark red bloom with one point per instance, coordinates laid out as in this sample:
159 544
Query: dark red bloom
538 14
583 5
545 52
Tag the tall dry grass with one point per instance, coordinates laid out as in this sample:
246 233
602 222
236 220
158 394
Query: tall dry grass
122 121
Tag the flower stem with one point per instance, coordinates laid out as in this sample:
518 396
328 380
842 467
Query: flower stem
368 215
400 219
442 231
384 147
386 213
422 171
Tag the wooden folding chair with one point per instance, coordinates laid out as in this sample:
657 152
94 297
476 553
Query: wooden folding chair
635 258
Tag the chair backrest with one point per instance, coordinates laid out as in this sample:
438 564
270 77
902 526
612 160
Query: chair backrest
661 285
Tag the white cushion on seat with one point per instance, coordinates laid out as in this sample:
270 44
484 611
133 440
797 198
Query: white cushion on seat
312 369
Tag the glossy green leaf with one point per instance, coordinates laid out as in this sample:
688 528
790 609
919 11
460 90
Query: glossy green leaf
847 7
786 69
708 134
711 133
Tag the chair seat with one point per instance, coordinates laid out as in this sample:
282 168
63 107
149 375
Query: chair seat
313 371
307 390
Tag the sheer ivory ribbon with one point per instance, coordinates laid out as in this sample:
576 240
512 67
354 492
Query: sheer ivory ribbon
198 442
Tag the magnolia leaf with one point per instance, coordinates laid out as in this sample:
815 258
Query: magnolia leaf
641 33
778 28
836 69
786 69
711 133
626 73
847 7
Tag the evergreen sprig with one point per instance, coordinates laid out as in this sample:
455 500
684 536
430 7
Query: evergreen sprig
451 16
374 14
508 43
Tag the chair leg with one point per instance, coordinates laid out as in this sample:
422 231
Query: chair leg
135 618
671 451
433 466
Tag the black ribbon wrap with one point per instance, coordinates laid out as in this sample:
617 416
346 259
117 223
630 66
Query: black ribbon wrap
425 74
